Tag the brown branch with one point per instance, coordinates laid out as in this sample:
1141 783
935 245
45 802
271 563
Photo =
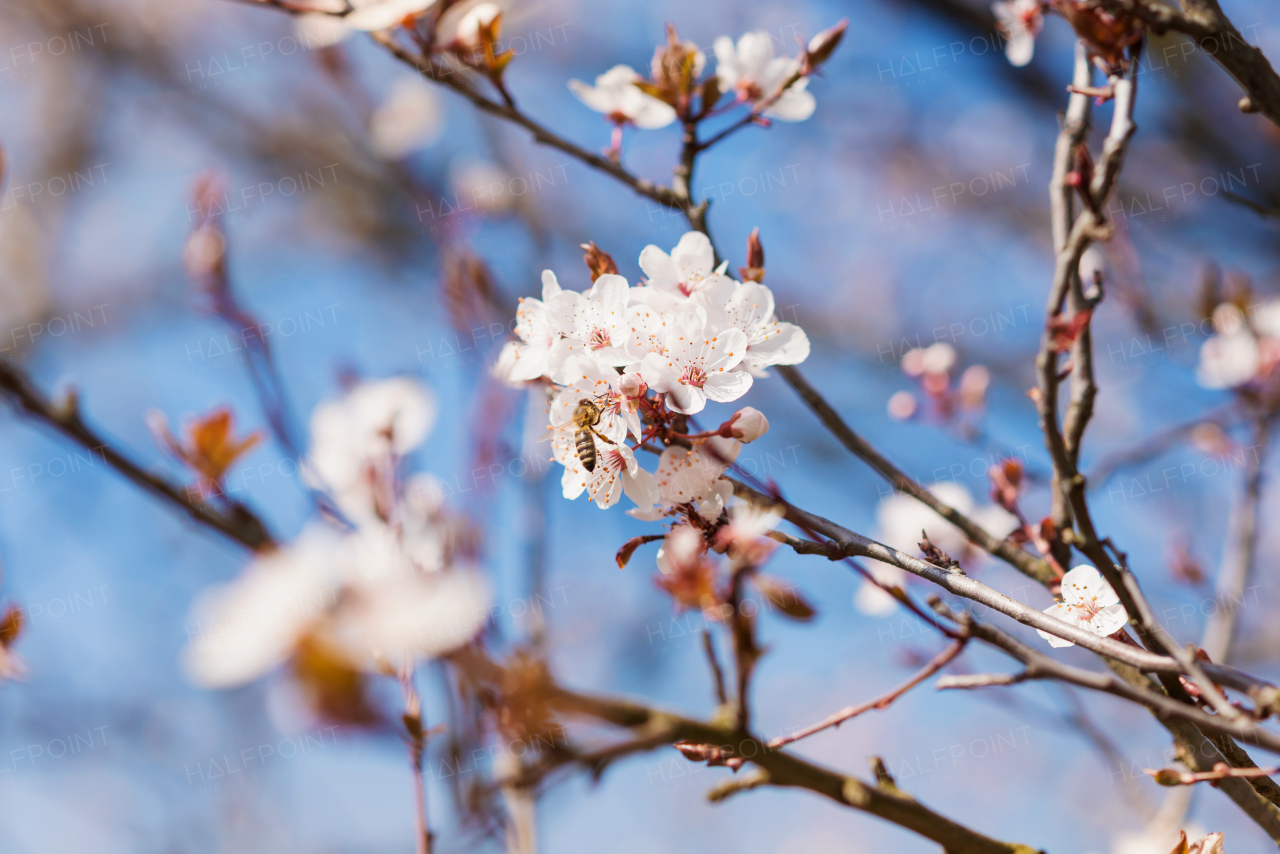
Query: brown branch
717 674
1185 722
882 702
1221 771
1020 559
237 522
541 134
1205 23
783 769
842 543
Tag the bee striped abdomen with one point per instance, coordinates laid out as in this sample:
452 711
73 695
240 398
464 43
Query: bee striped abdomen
586 446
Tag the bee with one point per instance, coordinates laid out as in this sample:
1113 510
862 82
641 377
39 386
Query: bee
585 418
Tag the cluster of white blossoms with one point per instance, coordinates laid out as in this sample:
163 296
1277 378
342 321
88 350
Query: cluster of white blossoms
386 586
1244 349
688 334
748 70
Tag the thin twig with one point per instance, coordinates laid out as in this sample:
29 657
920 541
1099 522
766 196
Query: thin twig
938 662
717 674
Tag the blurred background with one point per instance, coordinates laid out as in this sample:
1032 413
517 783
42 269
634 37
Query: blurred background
910 209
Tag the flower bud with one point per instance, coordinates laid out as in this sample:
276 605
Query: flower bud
205 252
632 386
824 43
754 271
748 424
598 261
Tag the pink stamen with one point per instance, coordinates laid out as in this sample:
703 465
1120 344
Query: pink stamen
694 376
599 339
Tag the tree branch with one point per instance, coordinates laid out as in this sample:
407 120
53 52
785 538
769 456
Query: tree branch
237 522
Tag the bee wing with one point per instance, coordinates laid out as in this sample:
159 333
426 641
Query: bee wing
553 432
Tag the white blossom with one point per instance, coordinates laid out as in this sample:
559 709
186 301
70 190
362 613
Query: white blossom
749 306
746 536
317 30
681 548
616 472
596 324
528 358
604 386
937 358
410 118
751 70
1233 356
871 599
901 518
482 14
1020 22
383 14
616 95
354 438
409 617
251 625
1089 603
693 476
689 269
900 521
697 364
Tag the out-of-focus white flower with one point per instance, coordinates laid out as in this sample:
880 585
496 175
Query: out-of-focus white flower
604 386
617 96
681 547
1020 21
748 424
373 15
900 519
751 70
902 405
409 617
482 186
410 118
1211 844
528 358
698 364
746 536
749 307
354 439
317 30
1231 357
935 359
477 16
693 476
251 625
1089 603
689 269
1160 836
594 324
871 599
616 472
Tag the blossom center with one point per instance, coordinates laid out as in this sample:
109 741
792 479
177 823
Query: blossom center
1086 610
599 339
694 376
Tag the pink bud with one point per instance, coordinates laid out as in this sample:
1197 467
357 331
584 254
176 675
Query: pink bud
748 424
632 386
205 252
